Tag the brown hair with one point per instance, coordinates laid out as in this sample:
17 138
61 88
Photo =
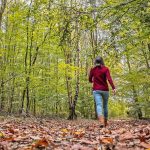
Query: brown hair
99 61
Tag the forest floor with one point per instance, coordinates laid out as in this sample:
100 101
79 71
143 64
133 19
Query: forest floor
81 134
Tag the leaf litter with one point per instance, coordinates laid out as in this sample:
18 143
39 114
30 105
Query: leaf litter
82 134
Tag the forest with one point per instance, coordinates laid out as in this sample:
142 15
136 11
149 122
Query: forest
47 48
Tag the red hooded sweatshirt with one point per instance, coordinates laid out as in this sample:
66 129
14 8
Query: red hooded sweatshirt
99 76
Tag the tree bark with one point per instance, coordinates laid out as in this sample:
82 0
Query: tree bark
135 95
2 9
12 96
2 95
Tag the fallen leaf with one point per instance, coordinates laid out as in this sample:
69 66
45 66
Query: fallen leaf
35 137
77 147
106 140
78 134
127 136
10 139
146 131
1 134
88 142
145 145
64 130
41 143
142 138
3 146
121 130
11 130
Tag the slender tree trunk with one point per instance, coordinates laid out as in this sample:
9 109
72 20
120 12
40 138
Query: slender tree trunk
2 9
69 89
34 106
72 114
135 95
22 101
12 97
0 19
2 95
27 95
77 82
146 55
28 65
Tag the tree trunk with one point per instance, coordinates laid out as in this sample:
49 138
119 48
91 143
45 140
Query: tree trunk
72 114
146 55
2 95
34 106
2 9
68 85
0 19
27 96
135 96
12 97
22 101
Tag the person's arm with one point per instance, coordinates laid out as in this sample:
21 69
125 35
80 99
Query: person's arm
91 76
110 81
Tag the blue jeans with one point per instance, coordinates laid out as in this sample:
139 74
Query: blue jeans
101 100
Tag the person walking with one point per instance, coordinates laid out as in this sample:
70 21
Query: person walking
99 75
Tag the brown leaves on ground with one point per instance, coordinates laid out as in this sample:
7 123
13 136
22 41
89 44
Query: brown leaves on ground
32 134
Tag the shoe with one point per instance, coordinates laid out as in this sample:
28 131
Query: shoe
101 121
105 122
101 126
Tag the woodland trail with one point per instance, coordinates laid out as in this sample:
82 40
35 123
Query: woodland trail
60 134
